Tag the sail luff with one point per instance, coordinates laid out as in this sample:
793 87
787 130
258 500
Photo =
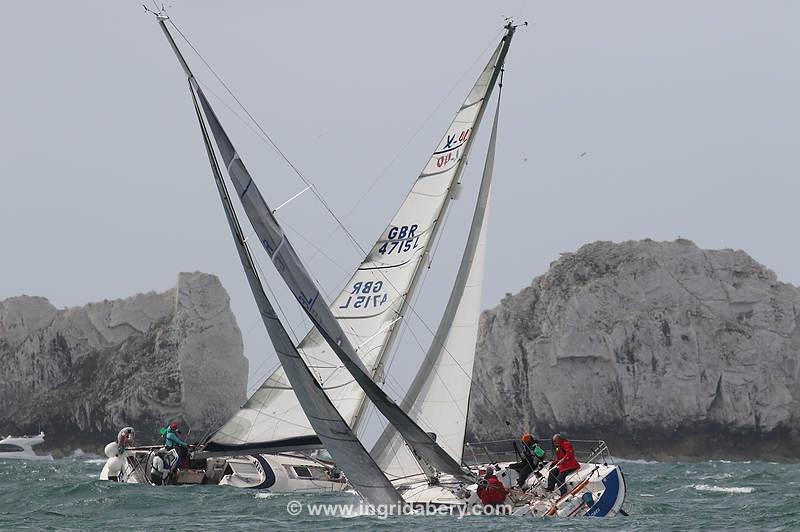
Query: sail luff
470 273
363 473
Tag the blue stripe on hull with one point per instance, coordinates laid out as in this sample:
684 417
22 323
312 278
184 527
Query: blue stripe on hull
605 504
269 475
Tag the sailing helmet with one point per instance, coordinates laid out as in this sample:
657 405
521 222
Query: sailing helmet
527 439
173 426
489 471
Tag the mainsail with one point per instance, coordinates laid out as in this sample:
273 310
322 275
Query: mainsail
439 394
371 306
298 280
333 431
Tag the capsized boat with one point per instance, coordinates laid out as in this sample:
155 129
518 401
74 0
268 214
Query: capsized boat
21 448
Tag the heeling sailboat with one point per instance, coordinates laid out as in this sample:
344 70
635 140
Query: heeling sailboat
331 428
373 302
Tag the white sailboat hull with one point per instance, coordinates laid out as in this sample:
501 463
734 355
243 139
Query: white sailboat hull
596 490
280 473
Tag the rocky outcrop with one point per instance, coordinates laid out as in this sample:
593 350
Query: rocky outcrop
82 373
662 348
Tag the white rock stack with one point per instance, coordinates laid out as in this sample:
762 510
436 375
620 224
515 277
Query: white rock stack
662 348
84 372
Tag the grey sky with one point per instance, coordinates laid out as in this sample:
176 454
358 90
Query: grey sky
687 112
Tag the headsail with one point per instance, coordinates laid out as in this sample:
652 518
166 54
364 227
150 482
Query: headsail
333 431
373 302
298 280
439 394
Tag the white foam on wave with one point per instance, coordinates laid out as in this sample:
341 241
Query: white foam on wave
646 495
96 461
721 489
639 461
264 495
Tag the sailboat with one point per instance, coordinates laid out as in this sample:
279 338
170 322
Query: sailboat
348 344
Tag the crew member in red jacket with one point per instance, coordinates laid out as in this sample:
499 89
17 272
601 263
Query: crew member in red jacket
491 491
565 463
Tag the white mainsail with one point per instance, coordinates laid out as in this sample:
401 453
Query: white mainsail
370 307
439 394
299 281
363 473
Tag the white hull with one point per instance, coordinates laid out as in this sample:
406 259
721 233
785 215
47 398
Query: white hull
280 473
596 489
21 448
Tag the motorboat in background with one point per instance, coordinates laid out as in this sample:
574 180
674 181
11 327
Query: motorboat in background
21 448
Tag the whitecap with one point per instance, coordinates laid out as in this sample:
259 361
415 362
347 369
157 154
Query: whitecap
646 495
264 495
639 461
96 461
720 489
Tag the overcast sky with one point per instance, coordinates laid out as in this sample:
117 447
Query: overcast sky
686 111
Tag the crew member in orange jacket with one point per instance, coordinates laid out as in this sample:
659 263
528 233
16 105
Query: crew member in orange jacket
564 464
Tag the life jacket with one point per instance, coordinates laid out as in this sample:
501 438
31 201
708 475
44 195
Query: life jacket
494 492
566 454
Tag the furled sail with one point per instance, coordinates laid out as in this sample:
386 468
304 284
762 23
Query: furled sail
370 307
362 472
439 394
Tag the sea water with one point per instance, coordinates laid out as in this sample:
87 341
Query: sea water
66 495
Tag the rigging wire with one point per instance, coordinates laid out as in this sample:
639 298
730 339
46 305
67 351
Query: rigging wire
283 156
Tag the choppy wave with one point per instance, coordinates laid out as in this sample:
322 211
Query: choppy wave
639 461
723 489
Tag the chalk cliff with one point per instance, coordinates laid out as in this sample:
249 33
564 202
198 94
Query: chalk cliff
82 373
662 348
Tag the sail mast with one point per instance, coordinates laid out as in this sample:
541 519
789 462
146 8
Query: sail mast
363 473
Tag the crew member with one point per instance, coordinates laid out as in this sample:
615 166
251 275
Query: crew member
564 464
490 490
532 458
172 440
159 471
125 439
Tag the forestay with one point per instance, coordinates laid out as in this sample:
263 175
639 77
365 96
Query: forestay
438 397
370 307
333 431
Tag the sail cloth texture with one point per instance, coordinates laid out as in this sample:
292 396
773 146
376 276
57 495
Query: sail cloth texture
294 274
370 307
439 394
362 472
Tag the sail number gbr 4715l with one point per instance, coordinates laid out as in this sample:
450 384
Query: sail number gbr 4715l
366 294
400 240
